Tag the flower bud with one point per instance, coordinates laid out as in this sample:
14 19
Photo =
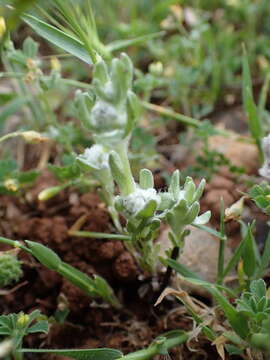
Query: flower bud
33 137
156 68
23 320
11 185
113 108
44 255
55 64
96 158
48 193
135 202
2 26
235 211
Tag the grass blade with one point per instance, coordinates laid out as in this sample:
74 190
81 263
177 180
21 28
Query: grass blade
81 354
58 38
122 44
254 123
235 258
12 107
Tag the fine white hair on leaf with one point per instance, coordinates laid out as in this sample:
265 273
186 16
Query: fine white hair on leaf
96 157
265 169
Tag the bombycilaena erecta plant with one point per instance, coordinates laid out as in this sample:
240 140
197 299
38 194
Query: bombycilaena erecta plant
109 112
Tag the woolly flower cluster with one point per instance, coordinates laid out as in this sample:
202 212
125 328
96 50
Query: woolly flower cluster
136 201
95 157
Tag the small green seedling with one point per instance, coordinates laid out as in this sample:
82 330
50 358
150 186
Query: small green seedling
10 269
17 326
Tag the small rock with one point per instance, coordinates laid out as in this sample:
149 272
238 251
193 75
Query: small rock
200 254
213 197
125 267
240 153
221 182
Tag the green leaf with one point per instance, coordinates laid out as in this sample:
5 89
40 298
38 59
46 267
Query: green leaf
81 354
258 288
59 38
148 210
64 173
237 320
44 255
248 255
26 177
182 269
208 229
12 107
250 107
40 326
234 259
122 44
146 179
266 254
78 278
7 167
202 219
174 187
30 47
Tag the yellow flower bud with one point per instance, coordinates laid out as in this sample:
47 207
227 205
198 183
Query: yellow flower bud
33 137
235 211
55 64
2 26
11 185
48 193
22 320
156 68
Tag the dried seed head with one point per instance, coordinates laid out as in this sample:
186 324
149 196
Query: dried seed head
235 211
33 137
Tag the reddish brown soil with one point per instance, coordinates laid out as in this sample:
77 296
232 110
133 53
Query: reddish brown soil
90 323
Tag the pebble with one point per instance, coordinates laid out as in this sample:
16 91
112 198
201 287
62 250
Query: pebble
200 254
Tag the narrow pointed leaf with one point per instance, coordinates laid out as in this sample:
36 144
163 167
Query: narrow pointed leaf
122 44
81 354
58 38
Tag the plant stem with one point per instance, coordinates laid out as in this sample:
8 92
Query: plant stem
9 136
122 150
99 235
222 242
168 274
172 114
154 349
14 243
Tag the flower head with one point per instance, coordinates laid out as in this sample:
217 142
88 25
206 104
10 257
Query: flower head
95 158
